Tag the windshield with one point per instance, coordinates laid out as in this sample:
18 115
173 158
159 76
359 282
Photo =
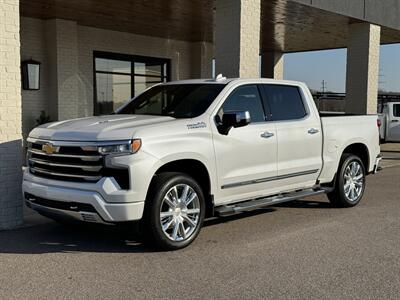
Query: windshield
175 100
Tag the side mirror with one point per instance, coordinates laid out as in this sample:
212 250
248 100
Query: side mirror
233 119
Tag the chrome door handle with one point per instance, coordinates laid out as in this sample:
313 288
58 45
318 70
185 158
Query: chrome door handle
313 130
267 135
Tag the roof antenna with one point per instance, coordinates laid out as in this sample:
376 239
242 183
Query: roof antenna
220 77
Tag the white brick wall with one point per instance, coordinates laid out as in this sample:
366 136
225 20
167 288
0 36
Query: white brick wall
10 116
237 37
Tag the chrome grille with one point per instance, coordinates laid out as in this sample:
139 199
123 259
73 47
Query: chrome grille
69 161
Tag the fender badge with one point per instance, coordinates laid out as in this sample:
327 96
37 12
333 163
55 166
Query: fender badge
197 125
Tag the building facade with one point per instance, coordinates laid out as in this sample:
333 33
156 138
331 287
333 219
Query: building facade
94 55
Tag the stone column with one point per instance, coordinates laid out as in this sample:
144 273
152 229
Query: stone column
62 44
202 56
272 65
10 116
237 38
362 79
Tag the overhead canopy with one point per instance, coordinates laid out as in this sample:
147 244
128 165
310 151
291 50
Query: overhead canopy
287 26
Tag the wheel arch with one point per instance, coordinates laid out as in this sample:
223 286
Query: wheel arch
195 169
361 150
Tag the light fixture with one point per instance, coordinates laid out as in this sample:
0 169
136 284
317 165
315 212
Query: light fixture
30 74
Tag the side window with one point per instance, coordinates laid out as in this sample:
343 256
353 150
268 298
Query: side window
245 98
285 102
396 110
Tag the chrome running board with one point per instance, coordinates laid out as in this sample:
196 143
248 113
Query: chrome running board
249 205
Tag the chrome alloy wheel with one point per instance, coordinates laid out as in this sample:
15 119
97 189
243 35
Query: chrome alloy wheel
353 181
180 212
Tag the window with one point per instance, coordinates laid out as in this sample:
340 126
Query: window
284 101
120 77
245 98
396 110
175 100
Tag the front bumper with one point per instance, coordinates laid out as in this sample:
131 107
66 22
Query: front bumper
65 202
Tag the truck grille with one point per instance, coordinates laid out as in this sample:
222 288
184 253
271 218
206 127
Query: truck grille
65 162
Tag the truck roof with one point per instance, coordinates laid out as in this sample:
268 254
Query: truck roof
229 80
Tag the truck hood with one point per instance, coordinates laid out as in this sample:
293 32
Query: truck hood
103 128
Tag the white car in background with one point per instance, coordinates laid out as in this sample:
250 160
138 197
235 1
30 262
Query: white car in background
182 151
390 122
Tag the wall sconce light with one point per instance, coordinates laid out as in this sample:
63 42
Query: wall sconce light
30 74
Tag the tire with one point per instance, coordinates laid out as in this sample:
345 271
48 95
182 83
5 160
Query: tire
170 223
350 182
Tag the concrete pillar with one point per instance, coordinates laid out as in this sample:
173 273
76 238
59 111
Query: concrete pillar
362 78
10 116
272 65
62 43
202 56
237 38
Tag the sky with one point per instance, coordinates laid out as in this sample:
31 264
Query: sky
330 65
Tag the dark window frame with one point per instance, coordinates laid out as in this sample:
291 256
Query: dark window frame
132 59
267 103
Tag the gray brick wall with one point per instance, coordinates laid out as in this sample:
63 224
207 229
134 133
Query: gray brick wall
33 45
10 116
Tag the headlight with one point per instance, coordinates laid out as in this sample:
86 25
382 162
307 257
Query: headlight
127 148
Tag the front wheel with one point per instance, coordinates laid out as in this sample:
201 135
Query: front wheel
174 211
350 182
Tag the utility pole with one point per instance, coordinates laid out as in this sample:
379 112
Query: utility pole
324 84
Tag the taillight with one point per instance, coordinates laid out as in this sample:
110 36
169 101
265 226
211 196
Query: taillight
379 123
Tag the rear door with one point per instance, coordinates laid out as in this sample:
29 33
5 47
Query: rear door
299 135
394 123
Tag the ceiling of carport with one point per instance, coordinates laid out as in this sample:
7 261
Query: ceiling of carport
287 26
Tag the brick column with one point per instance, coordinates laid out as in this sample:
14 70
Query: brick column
62 42
362 68
10 116
202 55
272 65
237 38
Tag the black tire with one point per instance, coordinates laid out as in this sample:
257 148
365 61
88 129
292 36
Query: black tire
340 197
152 229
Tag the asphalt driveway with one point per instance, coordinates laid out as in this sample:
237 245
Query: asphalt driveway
304 249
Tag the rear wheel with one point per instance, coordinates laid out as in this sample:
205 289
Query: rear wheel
174 211
350 182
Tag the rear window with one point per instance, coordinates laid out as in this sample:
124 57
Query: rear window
284 101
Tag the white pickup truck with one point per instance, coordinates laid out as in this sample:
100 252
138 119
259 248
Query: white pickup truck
390 122
186 150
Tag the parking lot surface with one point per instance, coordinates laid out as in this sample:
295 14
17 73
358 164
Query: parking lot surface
304 250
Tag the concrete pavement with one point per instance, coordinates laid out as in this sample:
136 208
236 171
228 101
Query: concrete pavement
303 250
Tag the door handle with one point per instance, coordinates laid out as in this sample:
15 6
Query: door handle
313 130
267 135
394 121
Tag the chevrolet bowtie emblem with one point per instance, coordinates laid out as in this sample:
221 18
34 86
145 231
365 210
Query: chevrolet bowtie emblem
49 148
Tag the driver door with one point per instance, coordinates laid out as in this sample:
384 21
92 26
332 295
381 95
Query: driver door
246 158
